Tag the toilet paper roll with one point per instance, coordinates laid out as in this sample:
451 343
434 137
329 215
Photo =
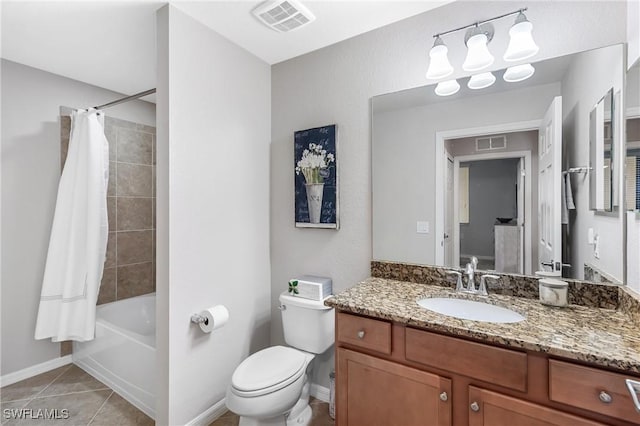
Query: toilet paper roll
214 318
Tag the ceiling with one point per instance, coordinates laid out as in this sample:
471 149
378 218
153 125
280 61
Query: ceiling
111 44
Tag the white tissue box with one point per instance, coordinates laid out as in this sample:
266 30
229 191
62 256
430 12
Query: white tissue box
311 287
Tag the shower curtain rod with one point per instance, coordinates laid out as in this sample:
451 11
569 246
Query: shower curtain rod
127 99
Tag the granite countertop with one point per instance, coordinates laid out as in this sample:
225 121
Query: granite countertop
605 337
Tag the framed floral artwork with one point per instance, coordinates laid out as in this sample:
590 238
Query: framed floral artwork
316 178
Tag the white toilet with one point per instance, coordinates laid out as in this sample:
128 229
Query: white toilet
271 387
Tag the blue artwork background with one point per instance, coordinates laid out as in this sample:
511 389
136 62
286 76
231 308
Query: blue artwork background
325 136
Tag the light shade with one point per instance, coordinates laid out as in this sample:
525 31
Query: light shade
518 73
439 66
480 81
478 55
447 88
521 44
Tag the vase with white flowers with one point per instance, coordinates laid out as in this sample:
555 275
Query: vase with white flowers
314 166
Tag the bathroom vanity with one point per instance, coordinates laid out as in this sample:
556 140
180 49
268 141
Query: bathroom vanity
400 364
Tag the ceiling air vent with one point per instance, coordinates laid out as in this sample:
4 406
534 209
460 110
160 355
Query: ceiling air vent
283 15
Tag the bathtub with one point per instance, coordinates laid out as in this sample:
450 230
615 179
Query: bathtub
123 353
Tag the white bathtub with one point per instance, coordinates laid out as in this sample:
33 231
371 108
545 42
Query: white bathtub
123 354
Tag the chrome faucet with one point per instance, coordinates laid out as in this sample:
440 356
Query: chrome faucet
470 271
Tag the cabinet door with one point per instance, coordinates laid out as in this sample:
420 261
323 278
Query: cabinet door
488 408
372 391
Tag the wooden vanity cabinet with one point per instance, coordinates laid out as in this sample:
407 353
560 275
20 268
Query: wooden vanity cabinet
388 374
379 392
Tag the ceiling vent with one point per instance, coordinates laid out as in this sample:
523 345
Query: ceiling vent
283 15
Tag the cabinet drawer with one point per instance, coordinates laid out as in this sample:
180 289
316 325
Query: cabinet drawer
488 408
587 388
364 332
499 366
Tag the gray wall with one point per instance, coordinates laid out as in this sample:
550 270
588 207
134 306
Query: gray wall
31 101
335 85
586 81
492 194
213 211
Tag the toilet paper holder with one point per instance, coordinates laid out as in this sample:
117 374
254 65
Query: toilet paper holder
199 319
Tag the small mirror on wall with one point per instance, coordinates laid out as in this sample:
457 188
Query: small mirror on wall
601 154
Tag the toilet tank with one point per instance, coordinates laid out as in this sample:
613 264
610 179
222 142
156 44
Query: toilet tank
308 324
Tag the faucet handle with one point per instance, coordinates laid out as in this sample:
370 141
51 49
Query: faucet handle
483 287
459 280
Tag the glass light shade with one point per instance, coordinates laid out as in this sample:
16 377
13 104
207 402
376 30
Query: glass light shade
447 88
518 73
521 44
439 66
478 55
481 81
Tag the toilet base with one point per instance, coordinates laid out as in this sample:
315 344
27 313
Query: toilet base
302 419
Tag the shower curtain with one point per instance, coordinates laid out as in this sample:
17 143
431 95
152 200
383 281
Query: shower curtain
78 242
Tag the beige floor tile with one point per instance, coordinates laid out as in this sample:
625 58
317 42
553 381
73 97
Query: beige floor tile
73 380
118 412
27 389
81 409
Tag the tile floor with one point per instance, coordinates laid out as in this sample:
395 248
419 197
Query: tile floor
88 401
320 416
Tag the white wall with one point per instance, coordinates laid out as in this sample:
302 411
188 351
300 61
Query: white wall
404 162
31 100
213 211
335 85
590 75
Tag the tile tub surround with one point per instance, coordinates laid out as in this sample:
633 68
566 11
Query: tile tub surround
605 337
582 293
130 263
89 401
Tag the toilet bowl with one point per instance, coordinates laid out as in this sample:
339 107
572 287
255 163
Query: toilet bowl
269 383
271 387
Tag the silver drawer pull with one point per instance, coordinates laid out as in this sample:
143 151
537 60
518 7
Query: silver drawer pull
634 390
444 396
605 397
475 407
360 334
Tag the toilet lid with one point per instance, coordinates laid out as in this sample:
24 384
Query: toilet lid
268 367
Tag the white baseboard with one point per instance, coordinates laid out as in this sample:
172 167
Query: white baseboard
210 414
34 370
319 392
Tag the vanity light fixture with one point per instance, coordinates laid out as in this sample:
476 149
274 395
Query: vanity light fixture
439 65
481 81
521 44
447 88
478 35
478 55
518 73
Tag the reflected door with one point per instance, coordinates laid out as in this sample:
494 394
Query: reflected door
448 217
549 181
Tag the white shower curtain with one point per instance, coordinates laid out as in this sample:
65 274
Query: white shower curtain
78 242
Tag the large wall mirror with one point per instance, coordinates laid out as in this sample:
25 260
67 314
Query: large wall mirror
501 173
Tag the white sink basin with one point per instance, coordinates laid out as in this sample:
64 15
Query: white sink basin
470 310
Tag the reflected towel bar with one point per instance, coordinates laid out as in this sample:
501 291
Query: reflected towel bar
577 170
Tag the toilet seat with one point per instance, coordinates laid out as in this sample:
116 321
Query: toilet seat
268 370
